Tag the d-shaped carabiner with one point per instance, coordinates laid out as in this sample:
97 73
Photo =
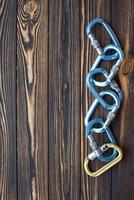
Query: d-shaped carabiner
95 43
108 165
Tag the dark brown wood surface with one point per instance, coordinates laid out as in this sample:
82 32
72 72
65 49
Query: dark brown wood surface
44 58
8 133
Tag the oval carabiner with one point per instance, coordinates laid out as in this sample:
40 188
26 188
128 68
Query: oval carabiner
108 165
95 43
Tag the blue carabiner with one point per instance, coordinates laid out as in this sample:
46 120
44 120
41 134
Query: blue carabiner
116 88
116 48
110 107
110 32
105 50
111 138
91 83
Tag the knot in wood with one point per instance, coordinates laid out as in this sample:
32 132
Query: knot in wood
127 66
31 6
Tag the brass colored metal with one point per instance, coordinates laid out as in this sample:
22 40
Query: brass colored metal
105 167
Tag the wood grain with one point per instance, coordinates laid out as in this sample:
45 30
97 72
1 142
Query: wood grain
8 171
64 100
123 174
45 56
32 94
115 184
93 188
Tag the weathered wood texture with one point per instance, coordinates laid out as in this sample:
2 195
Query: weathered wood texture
8 169
44 58
32 99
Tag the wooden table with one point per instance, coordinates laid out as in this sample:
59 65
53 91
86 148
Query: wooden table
44 58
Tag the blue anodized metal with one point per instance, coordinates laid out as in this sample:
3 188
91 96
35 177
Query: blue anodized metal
108 132
110 107
114 91
90 34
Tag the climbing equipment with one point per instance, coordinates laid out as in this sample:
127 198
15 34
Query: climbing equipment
99 125
114 92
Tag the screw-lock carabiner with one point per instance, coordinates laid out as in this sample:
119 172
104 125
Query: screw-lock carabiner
94 41
91 84
112 107
102 57
107 131
100 125
108 165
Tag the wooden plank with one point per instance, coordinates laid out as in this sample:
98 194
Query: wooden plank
54 100
8 169
64 99
93 188
123 174
32 94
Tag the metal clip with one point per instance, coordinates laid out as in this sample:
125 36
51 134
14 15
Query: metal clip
99 125
91 83
108 165
94 41
116 66
112 107
107 131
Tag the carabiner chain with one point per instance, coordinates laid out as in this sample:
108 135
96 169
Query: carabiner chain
114 92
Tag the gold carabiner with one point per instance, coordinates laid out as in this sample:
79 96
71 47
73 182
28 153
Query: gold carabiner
107 166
